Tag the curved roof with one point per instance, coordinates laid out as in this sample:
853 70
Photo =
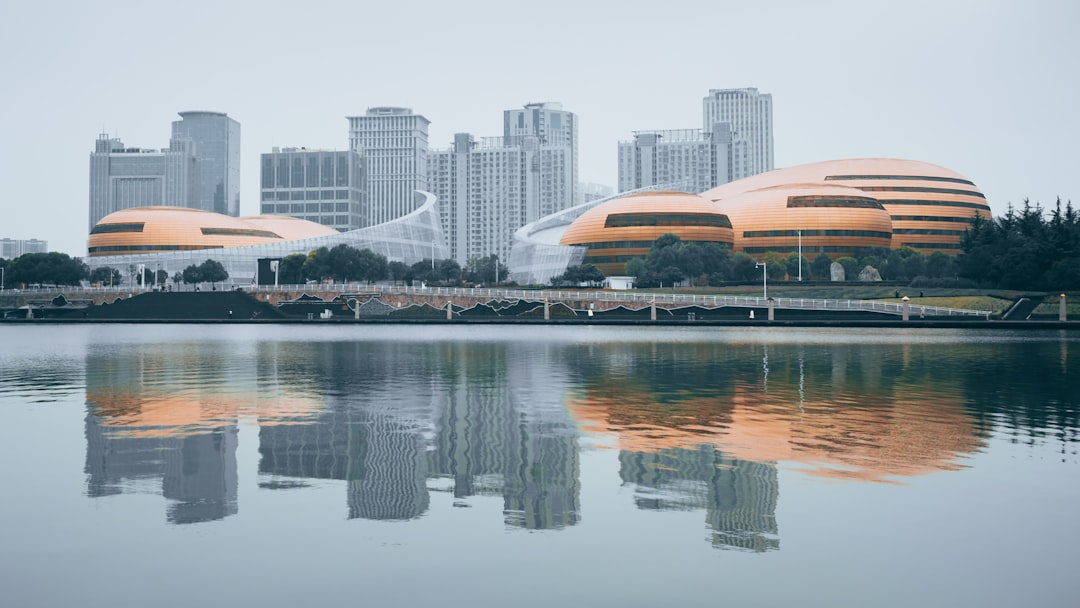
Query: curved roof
150 229
853 172
601 222
811 217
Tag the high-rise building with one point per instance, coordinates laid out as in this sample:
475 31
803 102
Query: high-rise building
591 191
750 115
555 128
489 187
13 248
216 144
322 186
697 159
123 177
393 144
200 169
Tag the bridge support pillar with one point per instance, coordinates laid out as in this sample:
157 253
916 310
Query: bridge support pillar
652 310
772 310
1061 308
449 310
547 310
907 308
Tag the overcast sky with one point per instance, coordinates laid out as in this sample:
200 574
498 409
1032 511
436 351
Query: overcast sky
988 88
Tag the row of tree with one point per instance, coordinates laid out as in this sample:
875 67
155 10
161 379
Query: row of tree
672 260
1024 250
344 263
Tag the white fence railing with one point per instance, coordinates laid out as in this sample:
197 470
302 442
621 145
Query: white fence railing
552 295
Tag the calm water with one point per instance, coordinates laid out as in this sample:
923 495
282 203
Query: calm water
537 466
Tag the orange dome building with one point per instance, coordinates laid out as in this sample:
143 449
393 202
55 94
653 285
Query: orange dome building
930 206
624 228
814 218
143 230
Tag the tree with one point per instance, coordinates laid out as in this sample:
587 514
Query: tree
211 271
372 266
106 276
161 277
742 267
851 268
192 275
423 271
775 265
177 278
797 266
51 268
291 269
940 266
399 271
821 267
447 272
487 270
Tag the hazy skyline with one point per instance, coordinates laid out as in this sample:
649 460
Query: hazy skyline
986 88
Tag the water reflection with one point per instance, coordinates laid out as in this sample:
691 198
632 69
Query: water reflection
702 425
400 419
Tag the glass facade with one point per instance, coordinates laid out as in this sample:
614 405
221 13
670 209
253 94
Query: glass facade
328 181
408 239
216 139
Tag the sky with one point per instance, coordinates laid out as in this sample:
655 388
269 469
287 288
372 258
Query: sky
987 88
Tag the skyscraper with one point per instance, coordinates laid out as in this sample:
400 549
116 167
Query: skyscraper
216 144
553 127
697 159
13 248
489 187
200 169
750 115
393 144
320 186
123 177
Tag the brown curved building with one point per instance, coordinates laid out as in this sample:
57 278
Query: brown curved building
626 227
143 230
813 218
930 206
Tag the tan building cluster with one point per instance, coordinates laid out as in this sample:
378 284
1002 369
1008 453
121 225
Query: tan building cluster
832 207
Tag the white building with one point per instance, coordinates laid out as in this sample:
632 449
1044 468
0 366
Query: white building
750 115
393 144
487 188
703 159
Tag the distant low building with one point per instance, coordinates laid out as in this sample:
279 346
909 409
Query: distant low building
13 248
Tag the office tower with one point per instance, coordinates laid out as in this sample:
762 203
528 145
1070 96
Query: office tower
393 144
200 169
123 177
320 186
750 115
216 145
554 128
13 248
695 160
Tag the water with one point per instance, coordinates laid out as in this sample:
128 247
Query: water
531 466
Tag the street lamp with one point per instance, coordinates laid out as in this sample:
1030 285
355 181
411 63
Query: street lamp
764 280
800 255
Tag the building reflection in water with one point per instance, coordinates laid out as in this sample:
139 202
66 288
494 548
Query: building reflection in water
403 420
164 419
699 425
705 425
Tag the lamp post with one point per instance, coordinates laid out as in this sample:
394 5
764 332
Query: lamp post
800 255
764 279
